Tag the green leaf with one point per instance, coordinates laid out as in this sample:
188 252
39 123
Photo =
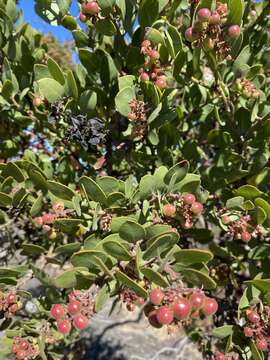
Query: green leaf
80 37
261 284
11 169
67 279
198 278
223 331
50 89
93 190
235 202
5 200
68 248
37 206
106 27
72 86
193 256
56 71
33 250
155 277
106 5
117 222
146 186
260 215
148 12
176 173
61 191
123 98
236 10
108 184
87 258
132 231
68 226
159 244
117 250
264 205
248 192
88 101
256 354
69 22
102 297
128 282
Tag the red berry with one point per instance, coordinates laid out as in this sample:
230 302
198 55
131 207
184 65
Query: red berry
57 311
245 236
156 296
90 8
248 332
152 318
82 17
140 301
74 307
181 308
21 355
161 83
80 322
226 219
214 18
210 306
14 348
189 199
189 34
197 299
24 345
169 210
154 54
197 208
144 76
48 218
219 356
261 344
13 308
253 316
164 315
64 326
234 31
11 298
204 14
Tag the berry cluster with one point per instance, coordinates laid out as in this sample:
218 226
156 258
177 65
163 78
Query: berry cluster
208 31
247 88
131 299
90 10
47 219
152 69
9 303
239 226
137 116
184 207
257 326
177 305
23 349
77 312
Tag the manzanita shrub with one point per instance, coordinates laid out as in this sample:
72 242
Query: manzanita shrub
138 176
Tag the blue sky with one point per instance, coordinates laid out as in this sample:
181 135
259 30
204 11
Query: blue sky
30 16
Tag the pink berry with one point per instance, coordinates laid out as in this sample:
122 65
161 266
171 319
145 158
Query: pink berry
161 83
154 54
146 43
189 199
248 332
38 221
204 14
140 301
11 298
21 355
253 316
82 17
90 8
197 299
214 18
48 218
46 228
210 306
57 311
181 309
164 315
189 34
74 307
64 326
156 296
219 356
197 208
37 101
253 13
80 322
245 236
234 31
169 210
24 345
261 344
226 219
144 76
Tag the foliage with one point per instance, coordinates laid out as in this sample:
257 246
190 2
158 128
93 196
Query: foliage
144 167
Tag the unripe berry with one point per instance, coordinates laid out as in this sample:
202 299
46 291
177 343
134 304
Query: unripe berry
189 199
219 356
189 34
11 298
197 299
226 219
38 221
261 344
154 54
234 31
245 236
82 17
74 307
181 309
204 14
210 306
144 76
248 332
197 208
214 18
57 311
161 83
156 296
253 13
164 315
208 44
253 316
132 116
80 322
169 210
152 318
37 101
90 8
64 327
